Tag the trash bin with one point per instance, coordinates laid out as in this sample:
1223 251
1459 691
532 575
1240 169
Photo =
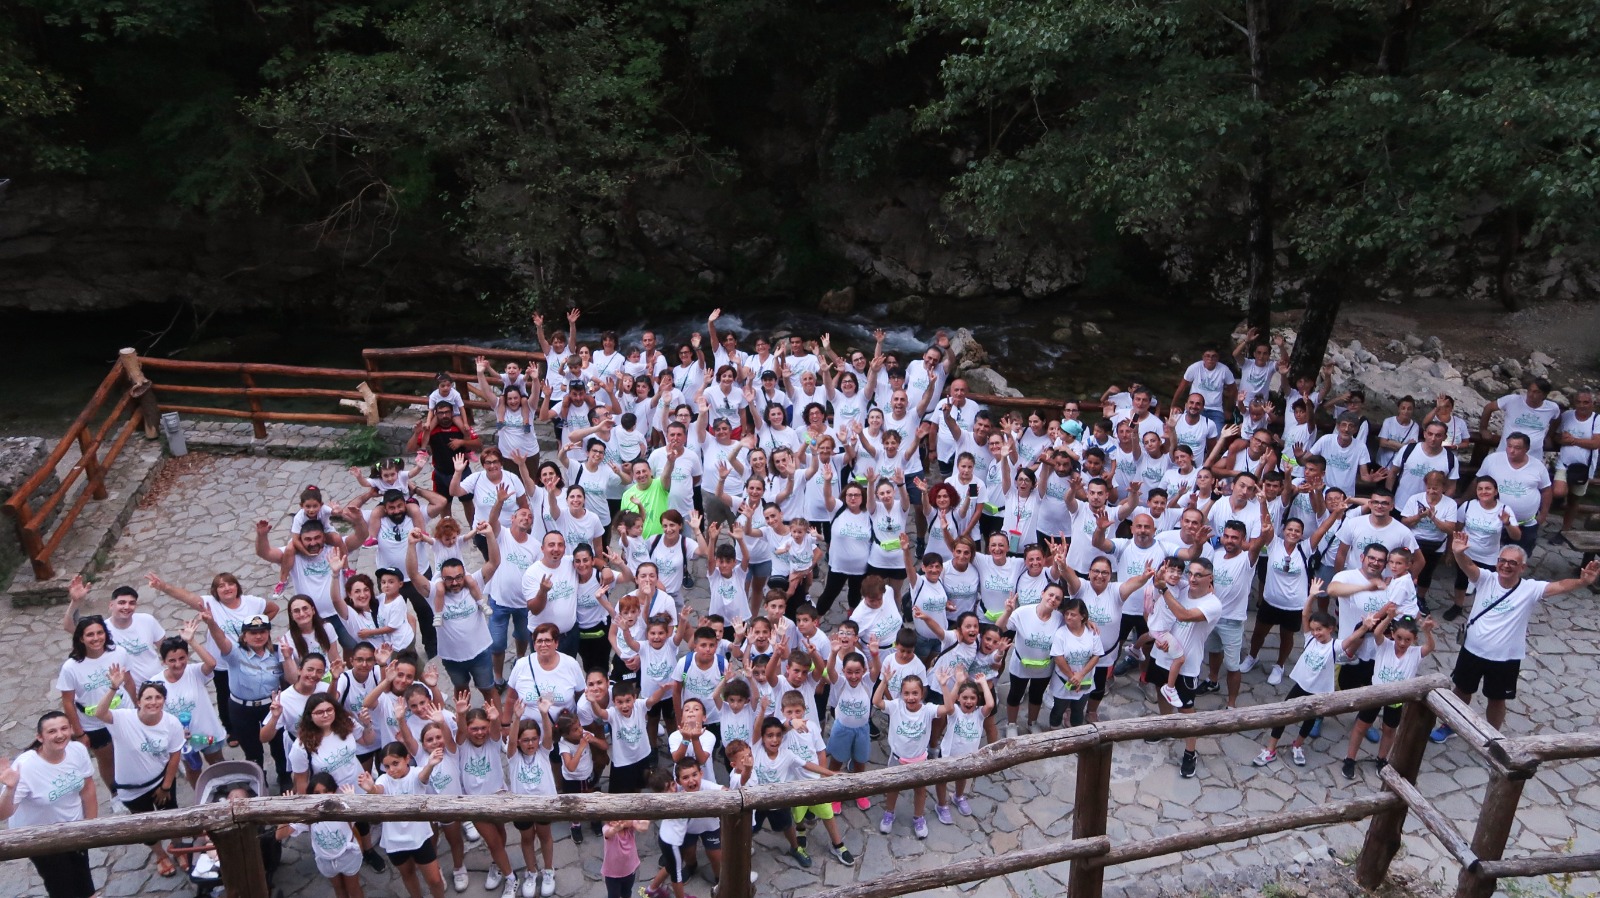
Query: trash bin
173 428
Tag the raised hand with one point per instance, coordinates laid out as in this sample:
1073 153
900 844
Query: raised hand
460 461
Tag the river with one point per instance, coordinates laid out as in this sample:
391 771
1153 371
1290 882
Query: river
61 357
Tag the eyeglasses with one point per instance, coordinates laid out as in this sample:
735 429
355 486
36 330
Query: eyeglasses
1508 562
1197 574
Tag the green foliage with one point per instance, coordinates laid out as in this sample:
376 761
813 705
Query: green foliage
32 99
361 447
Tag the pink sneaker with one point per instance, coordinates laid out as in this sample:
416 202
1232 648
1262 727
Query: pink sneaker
838 808
278 590
863 803
371 541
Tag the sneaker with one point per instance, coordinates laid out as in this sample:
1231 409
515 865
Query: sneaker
547 883
1187 767
800 856
843 855
1207 687
530 884
864 803
1154 740
962 807
886 825
1299 755
510 890
1276 676
1440 733
1248 664
1266 757
374 860
1011 731
1126 666
1451 613
838 808
278 590
1373 735
1171 696
371 541
471 832
688 582
493 878
1316 728
577 834
942 811
919 825
1382 763
1348 768
459 880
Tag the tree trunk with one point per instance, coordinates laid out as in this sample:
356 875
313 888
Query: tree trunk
1258 197
1323 298
1403 20
1510 244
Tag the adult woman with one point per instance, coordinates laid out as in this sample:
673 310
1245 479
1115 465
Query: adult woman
513 416
230 607
257 669
1022 509
821 485
51 783
725 401
998 574
1029 661
289 705
151 745
961 577
673 550
85 684
328 740
888 506
1431 515
546 672
774 433
849 543
594 613
484 487
1288 578
849 401
186 696
942 506
576 523
307 633
1483 518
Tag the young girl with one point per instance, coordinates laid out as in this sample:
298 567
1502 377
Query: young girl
408 843
187 699
1313 674
528 753
795 553
1398 659
850 740
1075 651
577 760
479 757
619 863
333 842
910 727
307 633
438 735
967 706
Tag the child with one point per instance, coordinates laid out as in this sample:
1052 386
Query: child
973 704
678 836
631 754
438 735
903 663
625 623
775 608
850 741
408 843
620 862
1313 674
528 757
1075 651
804 742
1398 659
877 618
768 765
386 475
729 578
739 714
910 726
482 773
699 674
311 507
692 739
334 843
657 655
1169 577
396 613
577 758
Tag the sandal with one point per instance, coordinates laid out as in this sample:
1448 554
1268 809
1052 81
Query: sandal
165 867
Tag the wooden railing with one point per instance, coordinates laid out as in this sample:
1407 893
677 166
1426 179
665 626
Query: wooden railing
459 361
100 432
1090 850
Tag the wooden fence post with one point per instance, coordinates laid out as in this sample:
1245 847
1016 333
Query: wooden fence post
1382 841
239 852
374 378
1500 803
1089 804
140 388
736 845
258 424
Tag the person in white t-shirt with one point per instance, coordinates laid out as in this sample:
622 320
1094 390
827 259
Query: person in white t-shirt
1213 381
1346 456
1398 431
1187 616
1412 464
1497 627
52 783
1524 484
1580 455
1312 674
1528 412
1255 372
136 633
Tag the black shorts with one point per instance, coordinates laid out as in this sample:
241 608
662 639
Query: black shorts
1391 715
1498 678
524 825
98 739
65 875
892 574
711 839
421 856
1354 675
779 820
146 803
1156 675
1286 620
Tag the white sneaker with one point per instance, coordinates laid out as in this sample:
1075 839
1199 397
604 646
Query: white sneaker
471 832
1011 731
510 891
1248 664
459 880
493 878
547 883
1171 696
1266 757
1276 676
530 884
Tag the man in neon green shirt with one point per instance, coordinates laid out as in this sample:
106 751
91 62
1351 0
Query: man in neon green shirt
648 496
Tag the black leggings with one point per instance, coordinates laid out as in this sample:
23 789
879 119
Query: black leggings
1431 554
1035 689
594 652
1305 725
247 729
619 886
830 591
1078 706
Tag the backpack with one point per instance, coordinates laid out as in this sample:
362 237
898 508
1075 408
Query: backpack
683 547
1449 458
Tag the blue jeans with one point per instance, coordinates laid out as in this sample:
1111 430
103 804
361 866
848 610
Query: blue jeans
347 641
476 671
850 743
1215 416
507 622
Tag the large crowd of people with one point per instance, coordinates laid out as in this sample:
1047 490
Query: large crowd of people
503 613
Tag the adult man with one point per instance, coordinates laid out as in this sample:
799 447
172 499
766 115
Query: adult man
1188 620
1529 413
927 377
457 599
550 588
1144 421
508 609
1254 455
1346 457
310 573
1497 629
1363 592
1130 557
963 412
1214 382
1377 527
1088 519
678 464
1524 485
1255 373
649 496
1243 505
1580 448
1232 574
1413 464
1193 427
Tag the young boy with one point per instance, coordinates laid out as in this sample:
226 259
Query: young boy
698 675
679 835
804 742
740 715
729 578
777 766
630 747
693 739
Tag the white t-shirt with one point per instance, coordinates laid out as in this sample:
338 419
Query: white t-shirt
1392 429
1255 381
1286 583
686 473
90 683
878 625
1523 418
561 602
464 633
333 843
628 744
1197 435
232 620
484 491
1209 382
1187 638
707 742
852 538
787 767
336 755
699 682
1231 579
1314 671
1483 527
964 733
141 642
1521 487
1359 534
1077 649
1426 531
1570 455
1501 632
1344 462
1031 647
1390 668
531 774
1417 465
190 703
909 730
531 682
1354 609
142 750
51 793
404 835
482 770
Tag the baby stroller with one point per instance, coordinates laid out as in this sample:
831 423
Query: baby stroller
214 784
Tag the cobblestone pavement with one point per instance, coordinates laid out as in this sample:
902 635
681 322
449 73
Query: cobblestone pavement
204 524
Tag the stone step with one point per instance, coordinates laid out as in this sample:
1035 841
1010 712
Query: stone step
84 550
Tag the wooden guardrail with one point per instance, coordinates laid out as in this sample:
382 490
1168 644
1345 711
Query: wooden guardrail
1090 850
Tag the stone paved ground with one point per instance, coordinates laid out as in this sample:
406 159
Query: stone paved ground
203 524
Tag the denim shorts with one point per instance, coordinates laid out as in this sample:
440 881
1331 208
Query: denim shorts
478 671
506 622
850 743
